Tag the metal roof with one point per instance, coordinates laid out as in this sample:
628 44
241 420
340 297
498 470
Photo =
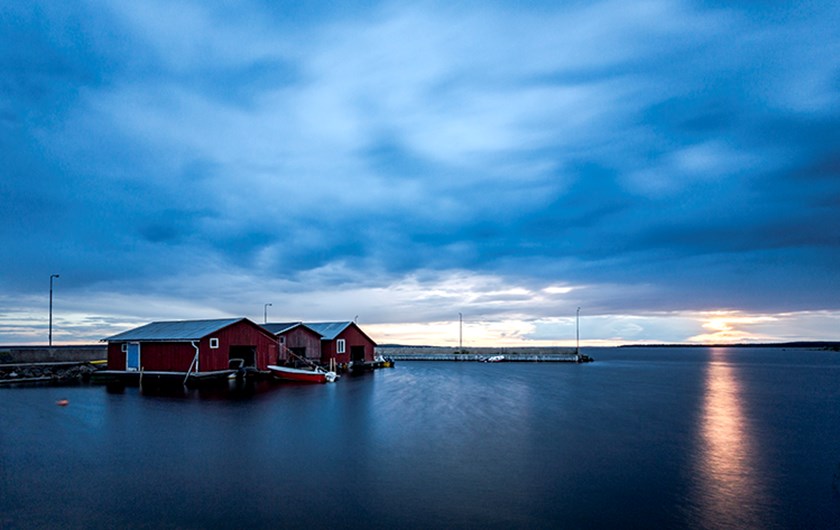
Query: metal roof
328 330
280 327
176 330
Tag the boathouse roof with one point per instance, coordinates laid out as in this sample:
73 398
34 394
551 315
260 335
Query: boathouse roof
281 327
328 330
176 330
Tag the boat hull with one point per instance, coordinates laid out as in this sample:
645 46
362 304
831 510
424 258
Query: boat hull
295 374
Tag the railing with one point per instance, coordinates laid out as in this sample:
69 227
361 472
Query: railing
316 366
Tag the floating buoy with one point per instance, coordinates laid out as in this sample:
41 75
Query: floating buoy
62 402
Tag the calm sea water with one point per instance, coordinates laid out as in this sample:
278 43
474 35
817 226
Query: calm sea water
642 438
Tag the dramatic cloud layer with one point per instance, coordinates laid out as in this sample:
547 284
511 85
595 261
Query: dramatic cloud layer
670 167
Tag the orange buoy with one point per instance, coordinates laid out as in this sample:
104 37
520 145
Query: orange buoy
62 402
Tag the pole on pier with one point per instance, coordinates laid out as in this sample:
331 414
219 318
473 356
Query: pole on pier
265 313
460 333
577 333
52 277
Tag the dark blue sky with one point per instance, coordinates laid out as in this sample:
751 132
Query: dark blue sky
673 168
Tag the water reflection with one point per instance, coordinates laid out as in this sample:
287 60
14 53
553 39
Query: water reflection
730 494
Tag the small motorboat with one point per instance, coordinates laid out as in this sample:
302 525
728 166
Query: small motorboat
383 362
495 359
319 375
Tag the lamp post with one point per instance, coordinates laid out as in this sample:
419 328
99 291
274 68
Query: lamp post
52 277
265 313
577 333
460 333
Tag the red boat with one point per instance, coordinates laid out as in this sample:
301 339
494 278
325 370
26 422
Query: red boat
296 374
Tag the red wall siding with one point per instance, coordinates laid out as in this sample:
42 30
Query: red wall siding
154 356
116 357
301 337
166 356
240 334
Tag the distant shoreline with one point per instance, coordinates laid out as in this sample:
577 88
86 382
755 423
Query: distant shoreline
794 344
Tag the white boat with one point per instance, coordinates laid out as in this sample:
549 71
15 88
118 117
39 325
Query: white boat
495 359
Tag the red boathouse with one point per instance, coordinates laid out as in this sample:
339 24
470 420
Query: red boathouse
343 341
296 341
195 346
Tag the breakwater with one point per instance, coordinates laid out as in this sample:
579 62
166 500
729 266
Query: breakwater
49 364
531 354
52 354
58 372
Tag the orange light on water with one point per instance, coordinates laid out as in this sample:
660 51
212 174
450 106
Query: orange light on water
728 452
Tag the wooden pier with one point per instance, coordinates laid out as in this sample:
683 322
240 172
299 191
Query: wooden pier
161 378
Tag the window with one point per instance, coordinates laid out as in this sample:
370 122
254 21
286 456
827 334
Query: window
339 346
214 343
124 347
282 340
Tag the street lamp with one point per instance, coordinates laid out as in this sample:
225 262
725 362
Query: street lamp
577 333
460 333
265 313
52 276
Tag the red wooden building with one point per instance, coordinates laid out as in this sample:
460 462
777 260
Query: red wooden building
196 346
342 341
296 341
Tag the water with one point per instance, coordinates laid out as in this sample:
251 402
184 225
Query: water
642 438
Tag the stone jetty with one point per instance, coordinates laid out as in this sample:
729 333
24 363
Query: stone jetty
49 364
59 372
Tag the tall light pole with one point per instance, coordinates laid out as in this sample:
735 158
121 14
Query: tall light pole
577 333
52 277
265 313
460 333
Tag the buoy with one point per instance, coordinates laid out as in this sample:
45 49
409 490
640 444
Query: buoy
62 402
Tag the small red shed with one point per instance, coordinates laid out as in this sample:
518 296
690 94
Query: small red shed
192 345
296 341
344 342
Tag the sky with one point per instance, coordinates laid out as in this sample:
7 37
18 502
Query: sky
671 168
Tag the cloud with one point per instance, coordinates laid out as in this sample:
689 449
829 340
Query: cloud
652 157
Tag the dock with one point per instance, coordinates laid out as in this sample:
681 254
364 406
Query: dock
164 378
408 353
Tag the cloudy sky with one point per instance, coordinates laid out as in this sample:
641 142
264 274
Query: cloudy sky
670 167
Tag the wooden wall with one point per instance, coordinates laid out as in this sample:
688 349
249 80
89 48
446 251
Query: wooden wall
301 337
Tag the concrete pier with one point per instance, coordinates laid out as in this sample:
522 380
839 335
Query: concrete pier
408 353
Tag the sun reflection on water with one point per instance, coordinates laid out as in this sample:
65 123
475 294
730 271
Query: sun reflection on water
730 494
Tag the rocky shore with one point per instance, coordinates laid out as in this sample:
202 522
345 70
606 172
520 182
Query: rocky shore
49 364
59 372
